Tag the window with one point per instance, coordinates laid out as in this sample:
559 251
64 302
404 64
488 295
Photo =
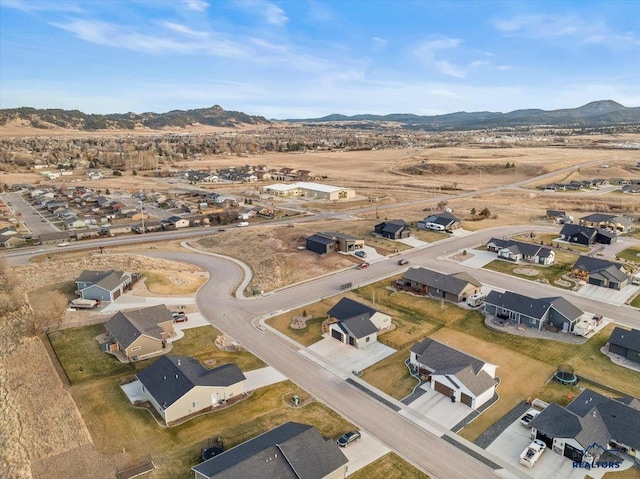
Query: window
194 404
368 338
136 348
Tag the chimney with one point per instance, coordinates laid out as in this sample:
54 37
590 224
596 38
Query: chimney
178 362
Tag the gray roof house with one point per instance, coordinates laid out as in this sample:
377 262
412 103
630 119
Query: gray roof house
590 424
444 221
179 386
327 241
102 285
453 373
605 220
550 313
356 324
625 343
139 333
393 229
601 272
456 287
290 451
578 234
512 250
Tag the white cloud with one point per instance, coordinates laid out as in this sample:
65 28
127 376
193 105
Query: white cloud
273 14
503 68
41 6
196 5
177 27
114 35
379 43
447 68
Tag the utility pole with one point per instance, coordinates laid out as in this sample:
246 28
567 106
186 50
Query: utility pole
142 215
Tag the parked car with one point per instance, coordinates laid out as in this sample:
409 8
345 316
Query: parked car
402 261
348 438
180 319
528 417
360 254
363 265
532 453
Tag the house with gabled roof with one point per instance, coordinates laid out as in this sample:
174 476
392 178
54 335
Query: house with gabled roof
589 425
102 285
512 250
328 241
393 229
557 216
355 323
455 287
289 451
140 333
453 373
578 234
605 220
55 237
601 272
444 221
625 343
537 313
179 386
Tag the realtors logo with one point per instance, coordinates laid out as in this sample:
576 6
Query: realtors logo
594 450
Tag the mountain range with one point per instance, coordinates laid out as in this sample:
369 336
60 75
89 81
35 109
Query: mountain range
595 114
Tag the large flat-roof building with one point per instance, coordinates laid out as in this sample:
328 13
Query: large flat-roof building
316 191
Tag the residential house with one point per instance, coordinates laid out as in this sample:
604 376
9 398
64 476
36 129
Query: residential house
11 241
455 287
355 323
102 285
578 234
555 313
631 189
589 425
601 272
176 222
393 229
455 374
179 386
140 333
625 343
114 230
8 231
519 251
440 222
557 216
325 242
289 451
608 221
55 237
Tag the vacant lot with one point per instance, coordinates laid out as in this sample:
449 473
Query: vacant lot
389 466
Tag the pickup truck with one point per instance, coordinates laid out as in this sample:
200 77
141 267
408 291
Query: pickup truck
532 453
528 417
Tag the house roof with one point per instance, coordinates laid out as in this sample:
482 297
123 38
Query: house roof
532 307
451 283
320 239
603 217
601 268
358 326
127 326
527 249
171 377
336 234
564 307
556 213
600 419
625 338
446 361
392 226
608 234
347 308
54 236
578 230
292 450
444 218
109 280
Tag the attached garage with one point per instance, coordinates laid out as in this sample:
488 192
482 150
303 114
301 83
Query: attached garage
442 389
337 335
117 294
572 452
544 438
464 399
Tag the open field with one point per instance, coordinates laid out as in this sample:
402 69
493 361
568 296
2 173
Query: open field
389 466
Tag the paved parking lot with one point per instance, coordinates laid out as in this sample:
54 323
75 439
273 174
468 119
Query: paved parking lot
363 452
438 408
611 296
347 357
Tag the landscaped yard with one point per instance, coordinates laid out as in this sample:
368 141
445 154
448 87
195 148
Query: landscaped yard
117 426
546 238
561 266
630 254
389 466
313 331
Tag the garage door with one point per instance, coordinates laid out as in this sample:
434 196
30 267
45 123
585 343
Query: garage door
464 399
441 388
337 335
544 438
117 294
572 453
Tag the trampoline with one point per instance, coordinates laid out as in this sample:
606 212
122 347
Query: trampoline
565 375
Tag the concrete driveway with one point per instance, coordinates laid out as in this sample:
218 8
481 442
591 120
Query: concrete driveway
347 357
479 259
259 378
127 301
133 390
607 295
438 408
413 242
363 452
372 254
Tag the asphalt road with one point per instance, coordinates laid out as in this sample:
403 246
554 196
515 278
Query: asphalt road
28 215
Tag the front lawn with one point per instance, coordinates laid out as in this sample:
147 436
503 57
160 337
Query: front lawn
636 301
630 254
391 375
312 333
117 426
389 466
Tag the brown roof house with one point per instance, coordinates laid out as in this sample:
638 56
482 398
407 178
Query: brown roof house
179 386
453 373
102 285
456 287
140 333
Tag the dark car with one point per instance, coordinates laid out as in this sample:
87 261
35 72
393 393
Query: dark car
348 438
402 261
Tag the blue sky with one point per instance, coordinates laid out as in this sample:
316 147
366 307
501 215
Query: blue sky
309 58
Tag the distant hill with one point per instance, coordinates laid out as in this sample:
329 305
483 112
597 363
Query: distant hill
594 114
77 120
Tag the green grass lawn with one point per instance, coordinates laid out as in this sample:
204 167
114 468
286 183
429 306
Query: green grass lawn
313 332
630 254
389 466
561 266
391 375
117 426
636 302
